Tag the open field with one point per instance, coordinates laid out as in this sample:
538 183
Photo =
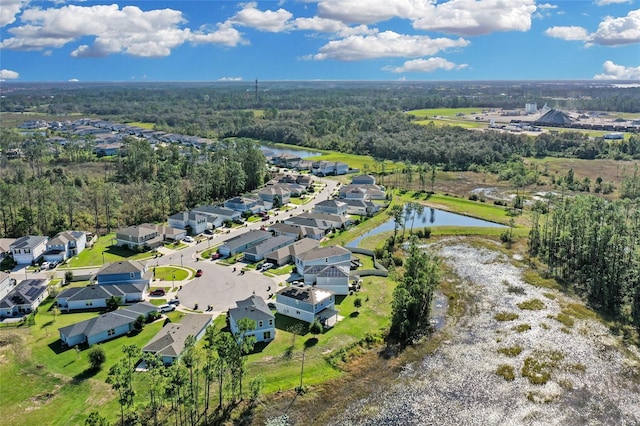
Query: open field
104 247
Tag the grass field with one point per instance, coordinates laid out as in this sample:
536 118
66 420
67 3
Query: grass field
104 248
168 273
143 125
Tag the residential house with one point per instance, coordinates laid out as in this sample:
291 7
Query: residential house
334 278
363 180
193 222
363 191
256 253
213 220
356 193
106 326
334 220
222 213
5 284
96 296
27 250
139 237
256 309
124 272
277 195
171 234
307 303
295 190
241 204
361 207
302 180
286 254
323 225
298 231
24 298
65 245
286 160
329 168
335 207
170 341
108 148
326 256
5 247
242 242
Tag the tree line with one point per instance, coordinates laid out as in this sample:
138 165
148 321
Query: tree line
592 247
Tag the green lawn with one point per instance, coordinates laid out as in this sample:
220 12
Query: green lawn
141 124
282 371
103 247
168 273
284 270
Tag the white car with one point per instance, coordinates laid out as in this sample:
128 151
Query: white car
187 239
167 308
266 266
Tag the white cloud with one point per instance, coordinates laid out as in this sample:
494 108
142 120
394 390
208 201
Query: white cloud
478 17
426 65
568 33
8 75
618 72
608 2
129 30
545 6
230 79
268 20
461 17
618 31
9 9
331 26
224 34
383 45
73 80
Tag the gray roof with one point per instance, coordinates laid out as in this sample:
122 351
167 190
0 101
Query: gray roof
124 266
29 241
309 222
291 228
5 244
254 308
270 244
275 190
64 237
137 230
184 216
104 322
305 293
321 252
358 202
331 203
246 238
294 249
324 216
217 211
92 292
25 293
171 339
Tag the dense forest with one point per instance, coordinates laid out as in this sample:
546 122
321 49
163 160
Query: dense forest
593 248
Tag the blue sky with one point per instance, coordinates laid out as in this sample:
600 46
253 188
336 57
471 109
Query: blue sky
220 40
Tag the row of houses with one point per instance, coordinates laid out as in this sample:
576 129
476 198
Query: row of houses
318 168
31 248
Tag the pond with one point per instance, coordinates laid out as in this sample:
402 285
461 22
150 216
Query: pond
302 153
430 217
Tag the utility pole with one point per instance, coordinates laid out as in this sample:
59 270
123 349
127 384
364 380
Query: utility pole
301 372
256 91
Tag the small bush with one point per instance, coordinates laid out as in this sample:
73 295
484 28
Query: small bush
565 319
397 261
531 305
511 351
522 328
506 371
506 316
97 357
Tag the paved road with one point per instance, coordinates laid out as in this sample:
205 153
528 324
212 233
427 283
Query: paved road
219 286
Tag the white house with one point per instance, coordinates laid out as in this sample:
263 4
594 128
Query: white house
272 193
139 237
307 303
361 207
106 326
96 296
5 284
298 231
329 168
286 254
24 298
329 255
256 309
335 207
65 245
29 249
169 343
222 213
242 242
192 221
333 278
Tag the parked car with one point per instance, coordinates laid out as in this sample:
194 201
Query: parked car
215 256
44 265
265 218
187 239
265 266
238 221
174 302
166 308
208 231
53 264
199 273
157 292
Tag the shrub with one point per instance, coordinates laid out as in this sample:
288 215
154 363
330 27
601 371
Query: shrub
506 316
68 276
531 305
511 351
522 328
506 371
564 319
97 357
397 261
